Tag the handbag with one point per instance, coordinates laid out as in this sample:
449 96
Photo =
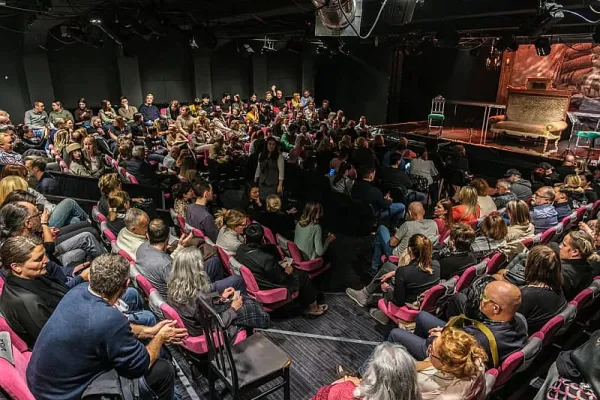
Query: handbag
565 389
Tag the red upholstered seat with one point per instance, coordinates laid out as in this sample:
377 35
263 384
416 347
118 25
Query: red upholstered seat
270 299
314 267
404 313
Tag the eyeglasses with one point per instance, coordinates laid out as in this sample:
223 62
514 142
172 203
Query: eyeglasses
485 298
34 216
540 196
431 355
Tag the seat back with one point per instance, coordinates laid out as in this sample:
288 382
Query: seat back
508 367
295 252
437 105
419 183
431 298
527 242
495 262
16 341
466 278
594 212
559 323
282 243
219 348
13 369
131 178
108 233
532 349
547 235
249 279
587 296
126 256
224 256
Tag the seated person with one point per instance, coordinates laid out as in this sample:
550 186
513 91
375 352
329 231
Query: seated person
110 183
364 190
141 169
504 194
308 235
278 221
270 274
468 210
541 296
198 214
543 213
77 165
46 184
183 194
455 258
498 306
253 204
519 186
484 200
403 285
118 204
442 216
22 218
519 226
561 202
188 281
134 234
154 262
231 224
65 362
580 263
394 176
383 244
494 230
341 182
575 192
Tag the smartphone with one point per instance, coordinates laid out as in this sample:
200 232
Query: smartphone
40 207
332 172
236 294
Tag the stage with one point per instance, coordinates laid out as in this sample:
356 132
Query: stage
418 131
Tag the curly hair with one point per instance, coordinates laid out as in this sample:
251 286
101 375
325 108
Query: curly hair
230 218
460 354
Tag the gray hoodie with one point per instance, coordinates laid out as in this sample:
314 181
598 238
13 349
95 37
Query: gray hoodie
522 189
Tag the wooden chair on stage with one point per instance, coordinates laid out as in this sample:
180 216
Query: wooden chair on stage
436 114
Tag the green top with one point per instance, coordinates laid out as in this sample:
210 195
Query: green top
309 240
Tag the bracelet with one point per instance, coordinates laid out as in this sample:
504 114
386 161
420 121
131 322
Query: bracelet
44 223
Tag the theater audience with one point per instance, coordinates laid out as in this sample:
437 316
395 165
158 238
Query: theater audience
93 160
37 117
567 167
46 184
83 114
340 182
231 224
277 220
494 231
126 111
468 210
504 194
270 273
198 214
270 170
499 304
66 362
409 281
519 186
59 113
188 281
390 374
308 235
455 258
561 202
134 234
107 113
184 194
442 216
587 183
543 213
148 110
424 167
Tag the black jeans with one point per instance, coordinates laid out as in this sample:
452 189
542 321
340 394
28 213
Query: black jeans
158 382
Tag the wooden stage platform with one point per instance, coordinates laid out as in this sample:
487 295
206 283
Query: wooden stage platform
507 143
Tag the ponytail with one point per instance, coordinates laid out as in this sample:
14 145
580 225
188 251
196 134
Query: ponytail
229 218
116 204
421 249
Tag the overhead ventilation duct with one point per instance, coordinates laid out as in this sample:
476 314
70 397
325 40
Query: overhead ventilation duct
338 17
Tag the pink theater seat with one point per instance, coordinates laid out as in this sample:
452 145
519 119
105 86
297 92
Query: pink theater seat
507 368
470 274
195 344
246 147
445 236
270 299
224 256
270 239
593 214
548 234
163 111
126 256
14 338
13 379
131 178
108 233
314 267
406 314
495 262
527 242
559 324
206 157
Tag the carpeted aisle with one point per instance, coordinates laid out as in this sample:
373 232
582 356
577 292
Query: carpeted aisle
345 335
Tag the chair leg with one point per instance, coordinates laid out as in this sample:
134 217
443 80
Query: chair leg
286 386
211 384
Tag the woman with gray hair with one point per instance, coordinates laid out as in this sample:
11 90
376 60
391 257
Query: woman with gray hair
189 280
390 375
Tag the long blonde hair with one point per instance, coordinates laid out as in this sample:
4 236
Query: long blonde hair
311 215
116 203
11 183
61 140
468 197
230 218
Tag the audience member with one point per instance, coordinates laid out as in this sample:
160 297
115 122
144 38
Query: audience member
7 153
188 281
183 194
66 362
561 202
277 220
519 186
37 117
134 234
543 213
468 210
442 216
409 281
567 167
270 170
519 226
271 273
126 111
46 184
59 113
579 262
494 231
484 200
231 224
118 204
455 258
424 167
198 214
309 236
365 191
340 182
148 110
503 194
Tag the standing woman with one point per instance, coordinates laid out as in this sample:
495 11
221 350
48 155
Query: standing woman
309 236
107 113
92 159
270 170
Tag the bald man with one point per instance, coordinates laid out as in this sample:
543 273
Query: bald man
567 167
499 304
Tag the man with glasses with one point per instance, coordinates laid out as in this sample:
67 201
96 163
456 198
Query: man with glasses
543 213
498 308
7 153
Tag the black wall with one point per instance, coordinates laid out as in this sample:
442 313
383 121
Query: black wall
231 71
357 83
14 96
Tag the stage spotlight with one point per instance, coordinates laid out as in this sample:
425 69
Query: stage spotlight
542 46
